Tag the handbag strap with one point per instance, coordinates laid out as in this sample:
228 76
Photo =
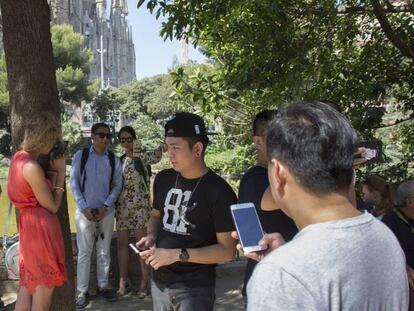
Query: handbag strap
6 231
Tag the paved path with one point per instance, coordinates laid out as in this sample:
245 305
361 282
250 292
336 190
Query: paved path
228 293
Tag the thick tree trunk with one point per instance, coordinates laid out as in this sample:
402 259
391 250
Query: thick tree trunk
32 86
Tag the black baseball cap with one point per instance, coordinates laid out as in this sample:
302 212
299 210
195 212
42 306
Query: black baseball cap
185 124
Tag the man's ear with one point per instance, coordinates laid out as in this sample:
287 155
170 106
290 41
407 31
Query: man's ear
409 202
278 174
198 148
258 141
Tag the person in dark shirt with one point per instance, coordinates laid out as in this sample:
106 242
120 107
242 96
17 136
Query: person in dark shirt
253 189
189 230
401 221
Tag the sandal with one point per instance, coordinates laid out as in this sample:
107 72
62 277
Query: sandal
126 291
142 294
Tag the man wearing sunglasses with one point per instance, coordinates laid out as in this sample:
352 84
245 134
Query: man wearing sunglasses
96 181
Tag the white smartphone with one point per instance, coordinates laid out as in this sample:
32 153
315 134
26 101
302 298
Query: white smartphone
136 250
248 226
136 148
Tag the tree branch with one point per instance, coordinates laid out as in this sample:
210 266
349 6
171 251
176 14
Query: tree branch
366 9
379 12
396 122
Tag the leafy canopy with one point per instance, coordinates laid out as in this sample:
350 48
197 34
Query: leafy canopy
264 53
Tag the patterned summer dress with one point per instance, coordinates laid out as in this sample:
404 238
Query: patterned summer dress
134 203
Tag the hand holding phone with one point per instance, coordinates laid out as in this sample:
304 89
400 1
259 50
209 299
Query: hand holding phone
272 240
136 250
368 152
136 148
248 226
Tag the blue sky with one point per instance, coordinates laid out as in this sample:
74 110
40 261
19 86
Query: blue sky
153 54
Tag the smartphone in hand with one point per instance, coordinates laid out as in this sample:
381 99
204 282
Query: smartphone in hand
136 148
136 250
248 226
369 151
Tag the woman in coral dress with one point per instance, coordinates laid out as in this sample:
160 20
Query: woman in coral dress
41 250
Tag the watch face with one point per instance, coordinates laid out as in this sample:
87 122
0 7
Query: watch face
184 255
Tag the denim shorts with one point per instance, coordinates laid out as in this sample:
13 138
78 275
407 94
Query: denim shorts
182 299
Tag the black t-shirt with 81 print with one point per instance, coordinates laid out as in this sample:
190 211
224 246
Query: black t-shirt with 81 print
192 212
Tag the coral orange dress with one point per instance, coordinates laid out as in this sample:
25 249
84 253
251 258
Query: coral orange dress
41 250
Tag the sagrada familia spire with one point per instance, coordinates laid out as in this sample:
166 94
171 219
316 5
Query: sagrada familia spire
89 18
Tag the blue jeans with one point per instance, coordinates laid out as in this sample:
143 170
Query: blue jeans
188 299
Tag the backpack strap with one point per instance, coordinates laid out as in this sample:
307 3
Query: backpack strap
139 167
149 170
111 157
84 159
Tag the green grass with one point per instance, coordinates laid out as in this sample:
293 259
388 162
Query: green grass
4 207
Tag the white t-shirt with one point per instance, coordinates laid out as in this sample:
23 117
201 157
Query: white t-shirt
351 264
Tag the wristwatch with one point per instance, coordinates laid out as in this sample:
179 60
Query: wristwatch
184 256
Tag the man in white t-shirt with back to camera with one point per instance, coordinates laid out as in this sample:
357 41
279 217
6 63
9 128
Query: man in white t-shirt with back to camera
341 259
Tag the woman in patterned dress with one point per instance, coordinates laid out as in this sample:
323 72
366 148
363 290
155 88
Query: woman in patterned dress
133 206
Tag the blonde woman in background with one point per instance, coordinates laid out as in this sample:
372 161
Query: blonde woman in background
41 250
378 193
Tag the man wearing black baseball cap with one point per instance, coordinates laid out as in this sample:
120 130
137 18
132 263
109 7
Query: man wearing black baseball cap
185 124
190 225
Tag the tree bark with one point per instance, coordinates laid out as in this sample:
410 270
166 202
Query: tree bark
32 87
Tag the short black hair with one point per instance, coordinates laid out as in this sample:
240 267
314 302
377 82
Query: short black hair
98 125
129 129
192 140
316 143
261 121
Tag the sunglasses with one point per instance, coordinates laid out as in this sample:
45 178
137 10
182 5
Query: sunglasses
126 140
103 135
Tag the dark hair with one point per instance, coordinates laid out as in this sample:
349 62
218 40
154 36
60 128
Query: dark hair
98 125
404 192
261 122
129 130
334 105
377 183
317 145
192 140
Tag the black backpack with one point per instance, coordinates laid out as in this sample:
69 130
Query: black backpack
84 159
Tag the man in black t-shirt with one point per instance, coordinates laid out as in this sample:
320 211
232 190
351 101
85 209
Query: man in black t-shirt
401 221
254 187
190 225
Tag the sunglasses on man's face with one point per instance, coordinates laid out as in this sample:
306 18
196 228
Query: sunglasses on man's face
103 135
126 140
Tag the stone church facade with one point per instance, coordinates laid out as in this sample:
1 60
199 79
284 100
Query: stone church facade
99 23
89 18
